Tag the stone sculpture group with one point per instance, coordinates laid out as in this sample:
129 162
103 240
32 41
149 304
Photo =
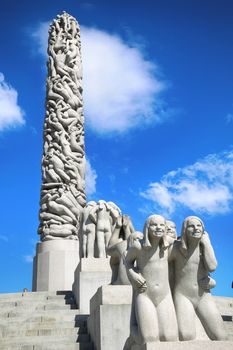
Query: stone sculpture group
169 274
63 162
164 305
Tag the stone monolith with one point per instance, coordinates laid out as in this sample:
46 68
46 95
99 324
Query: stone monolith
63 162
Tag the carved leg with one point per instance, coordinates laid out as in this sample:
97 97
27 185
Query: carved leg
107 236
211 319
84 245
100 244
185 317
90 245
168 329
146 319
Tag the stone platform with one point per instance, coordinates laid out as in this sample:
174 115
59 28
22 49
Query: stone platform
109 323
54 265
90 274
187 345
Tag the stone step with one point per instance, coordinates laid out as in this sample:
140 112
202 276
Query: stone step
26 314
28 306
229 329
25 301
225 305
48 346
37 296
46 317
41 296
20 332
45 339
42 324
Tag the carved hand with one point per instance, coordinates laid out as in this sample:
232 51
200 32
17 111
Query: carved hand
205 239
207 283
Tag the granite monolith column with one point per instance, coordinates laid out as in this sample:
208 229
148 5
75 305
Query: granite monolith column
63 162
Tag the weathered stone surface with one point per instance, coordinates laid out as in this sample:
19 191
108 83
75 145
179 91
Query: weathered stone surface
63 162
195 315
45 329
190 345
117 248
91 274
99 220
109 321
54 265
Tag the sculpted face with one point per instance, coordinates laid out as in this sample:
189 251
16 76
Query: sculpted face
157 227
171 229
194 228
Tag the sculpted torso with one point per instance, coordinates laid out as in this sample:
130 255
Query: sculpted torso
154 268
103 218
152 300
188 274
193 258
88 231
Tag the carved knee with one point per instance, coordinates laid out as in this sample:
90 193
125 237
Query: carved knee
187 334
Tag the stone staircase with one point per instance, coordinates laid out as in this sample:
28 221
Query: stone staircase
42 321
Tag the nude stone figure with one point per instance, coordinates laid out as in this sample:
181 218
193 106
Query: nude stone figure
153 315
63 162
88 231
193 259
117 249
103 215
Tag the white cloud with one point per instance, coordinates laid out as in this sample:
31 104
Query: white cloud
121 88
11 115
205 187
40 36
91 177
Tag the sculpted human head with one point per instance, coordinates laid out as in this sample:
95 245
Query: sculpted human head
192 228
171 229
102 204
154 228
91 204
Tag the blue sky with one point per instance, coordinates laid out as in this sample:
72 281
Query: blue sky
158 94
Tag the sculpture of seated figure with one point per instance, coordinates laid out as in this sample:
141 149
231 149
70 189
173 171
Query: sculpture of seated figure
117 249
153 315
193 259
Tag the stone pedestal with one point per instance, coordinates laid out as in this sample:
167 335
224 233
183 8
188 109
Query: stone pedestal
54 265
186 345
109 321
90 274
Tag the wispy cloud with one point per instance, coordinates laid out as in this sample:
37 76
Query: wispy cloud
11 114
4 238
122 89
28 258
91 177
229 118
204 187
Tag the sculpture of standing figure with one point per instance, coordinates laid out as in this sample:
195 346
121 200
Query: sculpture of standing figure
194 258
104 215
117 249
153 315
88 231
